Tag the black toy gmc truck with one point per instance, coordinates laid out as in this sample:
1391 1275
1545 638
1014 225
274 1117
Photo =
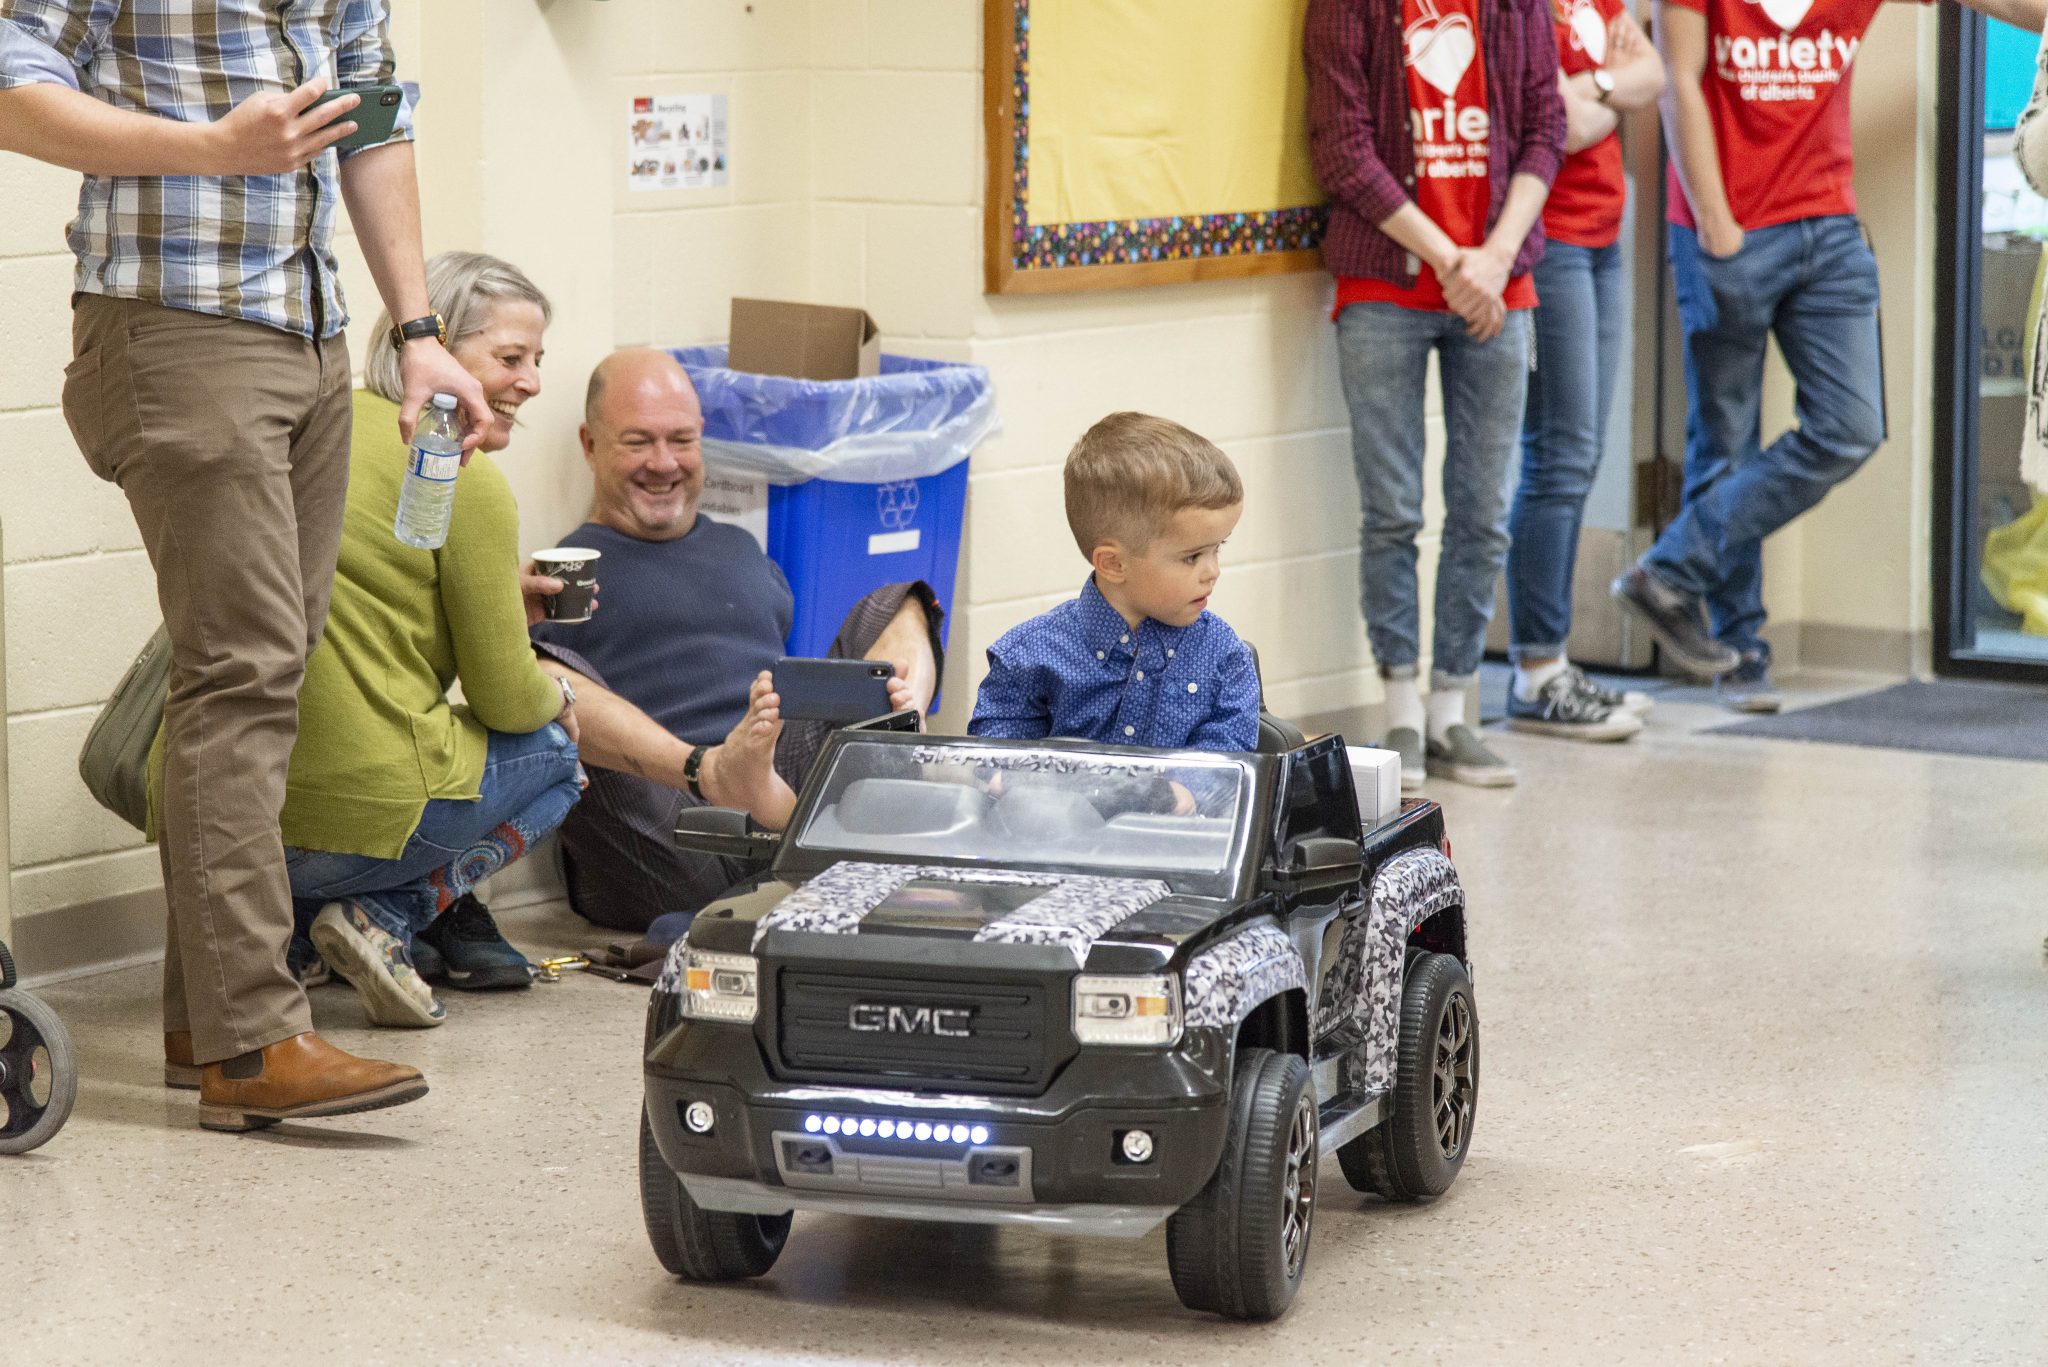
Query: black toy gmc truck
1085 987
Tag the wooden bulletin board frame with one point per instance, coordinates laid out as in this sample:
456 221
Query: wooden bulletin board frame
1021 257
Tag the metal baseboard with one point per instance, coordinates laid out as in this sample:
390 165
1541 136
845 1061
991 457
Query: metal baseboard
91 937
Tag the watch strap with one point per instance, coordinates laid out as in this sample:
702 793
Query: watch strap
693 767
429 326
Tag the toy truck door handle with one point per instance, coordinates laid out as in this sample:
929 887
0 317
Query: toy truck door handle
724 830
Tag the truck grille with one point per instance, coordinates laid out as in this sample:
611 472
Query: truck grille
1013 1042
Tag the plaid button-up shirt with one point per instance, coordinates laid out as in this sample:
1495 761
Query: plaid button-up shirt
252 247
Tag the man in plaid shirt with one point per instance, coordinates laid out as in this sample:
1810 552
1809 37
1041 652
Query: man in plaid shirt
210 380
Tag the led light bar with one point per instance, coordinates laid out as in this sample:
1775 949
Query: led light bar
890 1127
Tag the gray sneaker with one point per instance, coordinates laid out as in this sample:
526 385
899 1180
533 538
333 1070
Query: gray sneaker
1464 758
1406 741
1674 619
1628 700
1747 687
1568 707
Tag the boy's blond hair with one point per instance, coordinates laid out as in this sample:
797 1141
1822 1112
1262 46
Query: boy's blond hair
1131 473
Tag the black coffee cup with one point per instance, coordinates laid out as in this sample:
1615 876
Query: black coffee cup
576 567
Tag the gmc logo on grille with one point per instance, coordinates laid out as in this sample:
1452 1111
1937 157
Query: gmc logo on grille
872 1018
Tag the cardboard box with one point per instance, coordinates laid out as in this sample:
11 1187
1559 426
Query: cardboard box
803 341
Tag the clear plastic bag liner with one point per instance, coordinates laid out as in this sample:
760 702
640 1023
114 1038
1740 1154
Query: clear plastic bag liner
914 419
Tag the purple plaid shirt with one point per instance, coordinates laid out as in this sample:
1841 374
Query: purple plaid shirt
1358 122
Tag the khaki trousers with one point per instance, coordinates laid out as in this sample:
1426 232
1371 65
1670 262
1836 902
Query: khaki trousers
231 442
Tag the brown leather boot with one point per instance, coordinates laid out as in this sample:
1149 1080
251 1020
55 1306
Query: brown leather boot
179 1069
296 1079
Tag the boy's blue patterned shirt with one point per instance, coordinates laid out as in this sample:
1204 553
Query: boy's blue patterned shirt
1080 670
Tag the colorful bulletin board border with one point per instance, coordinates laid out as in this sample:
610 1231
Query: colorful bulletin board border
1054 258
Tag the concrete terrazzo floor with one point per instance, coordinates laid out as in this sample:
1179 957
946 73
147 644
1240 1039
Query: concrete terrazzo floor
1766 1081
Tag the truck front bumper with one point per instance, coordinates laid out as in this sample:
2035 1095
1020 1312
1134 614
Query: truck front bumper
742 1140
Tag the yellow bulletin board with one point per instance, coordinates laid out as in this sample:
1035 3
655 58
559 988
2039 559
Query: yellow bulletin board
1135 142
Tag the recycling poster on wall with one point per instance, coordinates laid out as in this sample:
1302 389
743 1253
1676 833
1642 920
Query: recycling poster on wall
677 142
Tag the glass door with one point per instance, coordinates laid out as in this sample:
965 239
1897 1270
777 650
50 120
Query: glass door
1991 533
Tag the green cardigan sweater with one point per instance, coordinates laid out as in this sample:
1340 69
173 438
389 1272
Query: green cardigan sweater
378 738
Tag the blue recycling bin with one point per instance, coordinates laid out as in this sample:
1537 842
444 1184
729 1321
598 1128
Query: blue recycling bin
866 478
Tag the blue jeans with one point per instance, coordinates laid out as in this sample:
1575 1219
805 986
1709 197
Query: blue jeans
1383 356
1811 283
529 785
1579 326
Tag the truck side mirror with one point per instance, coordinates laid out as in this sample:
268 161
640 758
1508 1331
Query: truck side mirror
1317 861
724 830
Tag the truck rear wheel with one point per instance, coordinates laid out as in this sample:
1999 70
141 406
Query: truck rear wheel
1240 1247
697 1244
1416 1152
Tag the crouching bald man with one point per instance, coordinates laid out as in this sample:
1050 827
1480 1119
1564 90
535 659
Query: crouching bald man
672 674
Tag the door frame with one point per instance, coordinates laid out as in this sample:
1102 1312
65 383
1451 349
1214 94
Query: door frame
1958 325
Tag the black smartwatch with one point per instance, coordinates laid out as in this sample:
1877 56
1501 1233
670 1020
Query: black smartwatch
429 326
692 767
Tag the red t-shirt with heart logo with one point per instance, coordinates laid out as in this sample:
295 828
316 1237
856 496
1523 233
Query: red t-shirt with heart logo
1777 88
1588 197
1451 125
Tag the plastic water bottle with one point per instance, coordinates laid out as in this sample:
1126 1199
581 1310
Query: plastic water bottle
428 495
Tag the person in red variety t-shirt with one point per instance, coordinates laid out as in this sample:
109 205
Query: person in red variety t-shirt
1764 242
1606 66
1437 127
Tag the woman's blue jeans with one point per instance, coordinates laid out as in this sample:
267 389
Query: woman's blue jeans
1383 358
1579 327
529 784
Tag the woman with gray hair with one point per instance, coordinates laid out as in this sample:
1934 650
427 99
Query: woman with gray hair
399 802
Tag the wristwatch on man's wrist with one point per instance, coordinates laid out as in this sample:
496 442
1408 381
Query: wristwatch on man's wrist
694 766
429 326
1603 83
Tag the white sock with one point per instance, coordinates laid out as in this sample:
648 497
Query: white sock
1404 700
1529 682
1446 705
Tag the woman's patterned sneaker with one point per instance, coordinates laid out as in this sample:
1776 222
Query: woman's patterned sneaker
377 965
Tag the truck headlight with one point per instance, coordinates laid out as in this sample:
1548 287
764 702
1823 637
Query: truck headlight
1121 1010
718 987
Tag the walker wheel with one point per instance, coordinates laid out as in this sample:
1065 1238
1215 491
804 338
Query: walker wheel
38 1072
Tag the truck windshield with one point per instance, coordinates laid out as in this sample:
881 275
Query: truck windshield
1110 812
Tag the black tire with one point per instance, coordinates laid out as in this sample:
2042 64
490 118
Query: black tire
1241 1246
1416 1152
38 1072
696 1244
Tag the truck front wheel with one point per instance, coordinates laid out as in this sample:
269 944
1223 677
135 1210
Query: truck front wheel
697 1244
1240 1247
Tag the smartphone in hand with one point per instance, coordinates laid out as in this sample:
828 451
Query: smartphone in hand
375 117
837 691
